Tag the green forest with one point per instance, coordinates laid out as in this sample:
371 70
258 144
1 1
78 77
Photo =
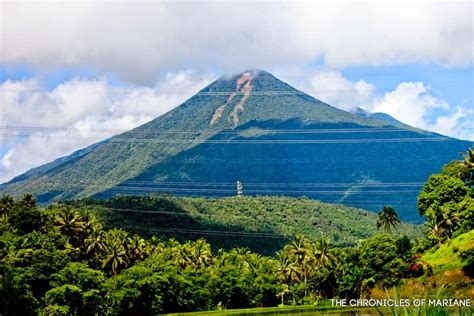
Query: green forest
74 258
263 224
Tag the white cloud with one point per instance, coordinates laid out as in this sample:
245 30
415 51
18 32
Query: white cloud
333 88
138 40
412 103
78 113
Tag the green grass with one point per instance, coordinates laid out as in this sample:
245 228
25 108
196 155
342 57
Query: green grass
290 310
330 310
446 256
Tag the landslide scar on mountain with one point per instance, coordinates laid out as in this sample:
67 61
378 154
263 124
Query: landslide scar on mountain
218 113
245 80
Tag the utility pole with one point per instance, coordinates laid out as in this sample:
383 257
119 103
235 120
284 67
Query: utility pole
240 189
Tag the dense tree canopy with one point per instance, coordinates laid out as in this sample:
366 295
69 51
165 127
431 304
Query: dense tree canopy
61 261
447 200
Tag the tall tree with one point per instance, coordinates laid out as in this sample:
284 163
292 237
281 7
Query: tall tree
387 219
469 165
116 256
7 203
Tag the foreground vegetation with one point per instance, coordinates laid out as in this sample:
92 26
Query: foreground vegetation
62 261
263 224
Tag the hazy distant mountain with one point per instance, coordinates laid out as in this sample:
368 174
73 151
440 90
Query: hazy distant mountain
379 116
257 129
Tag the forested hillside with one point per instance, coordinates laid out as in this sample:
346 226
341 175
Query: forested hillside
262 224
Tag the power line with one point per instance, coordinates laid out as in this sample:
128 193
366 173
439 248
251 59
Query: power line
197 190
282 184
224 131
120 187
222 93
228 187
210 232
249 141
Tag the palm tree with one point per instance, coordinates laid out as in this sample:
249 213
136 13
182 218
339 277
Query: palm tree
116 256
284 290
469 165
387 219
69 223
28 201
136 248
90 224
253 262
322 253
300 250
6 204
95 244
288 272
201 255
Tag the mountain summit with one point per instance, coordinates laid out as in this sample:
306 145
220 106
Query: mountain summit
254 128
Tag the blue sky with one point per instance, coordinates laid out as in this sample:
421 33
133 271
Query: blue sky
69 69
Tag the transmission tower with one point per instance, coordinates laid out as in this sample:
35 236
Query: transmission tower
240 188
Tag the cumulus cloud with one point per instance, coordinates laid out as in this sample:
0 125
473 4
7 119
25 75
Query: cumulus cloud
138 40
40 125
410 103
413 103
332 87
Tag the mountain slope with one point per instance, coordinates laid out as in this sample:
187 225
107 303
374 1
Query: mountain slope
257 129
380 116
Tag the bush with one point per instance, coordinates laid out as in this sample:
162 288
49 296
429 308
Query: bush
468 256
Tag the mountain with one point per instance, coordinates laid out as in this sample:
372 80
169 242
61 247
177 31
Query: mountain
254 128
379 116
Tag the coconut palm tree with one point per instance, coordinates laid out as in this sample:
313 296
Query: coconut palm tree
90 224
253 262
281 294
95 244
201 255
288 272
116 256
322 252
136 248
387 219
28 201
300 250
469 165
69 223
6 204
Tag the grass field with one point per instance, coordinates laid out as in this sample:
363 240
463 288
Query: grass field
329 310
293 310
446 256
